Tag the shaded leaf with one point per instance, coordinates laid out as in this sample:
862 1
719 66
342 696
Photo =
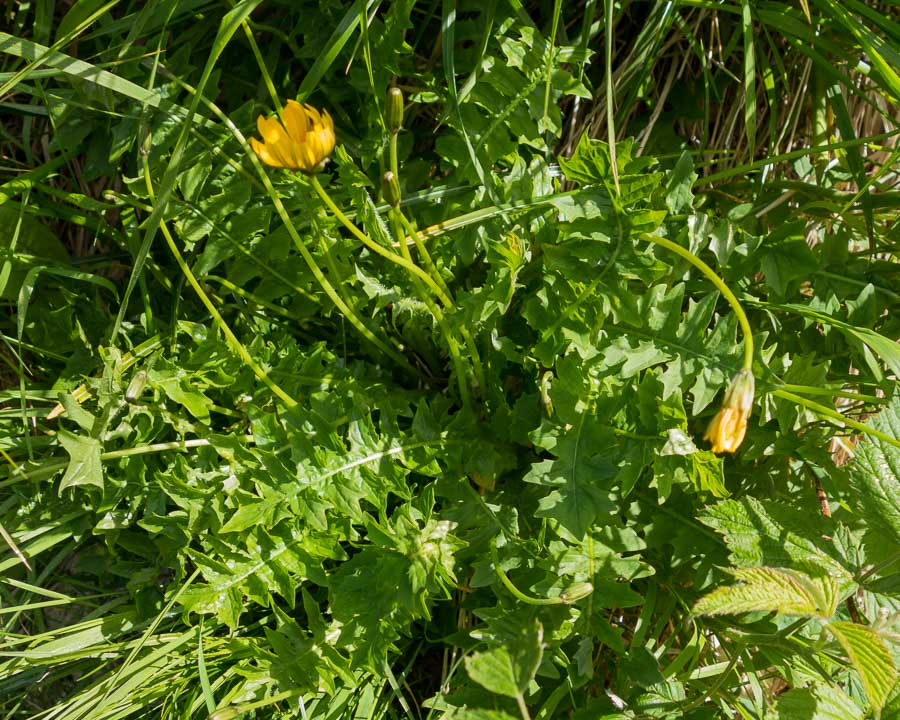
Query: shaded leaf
819 702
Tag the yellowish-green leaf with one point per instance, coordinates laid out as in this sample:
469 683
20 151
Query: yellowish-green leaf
780 590
817 702
871 658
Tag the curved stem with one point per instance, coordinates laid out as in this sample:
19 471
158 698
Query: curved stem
518 594
423 254
471 346
332 294
721 286
261 64
437 282
831 392
298 242
400 260
230 337
446 330
610 114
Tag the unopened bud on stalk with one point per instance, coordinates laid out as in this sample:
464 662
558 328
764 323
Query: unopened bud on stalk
136 386
727 429
390 187
576 592
395 109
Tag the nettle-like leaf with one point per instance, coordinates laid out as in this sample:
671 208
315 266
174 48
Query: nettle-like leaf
870 656
271 563
780 590
817 702
875 473
591 164
391 582
502 113
601 560
304 657
767 534
332 470
428 545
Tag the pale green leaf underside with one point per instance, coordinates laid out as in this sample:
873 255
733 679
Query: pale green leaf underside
871 658
780 590
819 702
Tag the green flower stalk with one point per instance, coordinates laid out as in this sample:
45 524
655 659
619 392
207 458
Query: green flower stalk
728 427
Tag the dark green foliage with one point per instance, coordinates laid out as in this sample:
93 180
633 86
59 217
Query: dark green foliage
256 466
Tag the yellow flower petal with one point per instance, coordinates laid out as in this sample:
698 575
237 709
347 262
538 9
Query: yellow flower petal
270 129
301 140
729 426
295 121
263 153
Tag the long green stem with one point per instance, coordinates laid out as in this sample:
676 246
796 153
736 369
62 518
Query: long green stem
471 346
332 294
446 330
261 64
610 115
831 392
230 337
528 599
326 286
835 417
721 286
431 270
401 260
430 267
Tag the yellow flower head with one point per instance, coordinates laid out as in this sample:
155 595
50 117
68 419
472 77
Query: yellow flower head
727 429
303 142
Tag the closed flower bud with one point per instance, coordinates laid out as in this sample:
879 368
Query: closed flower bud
391 188
136 386
576 592
395 109
727 429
